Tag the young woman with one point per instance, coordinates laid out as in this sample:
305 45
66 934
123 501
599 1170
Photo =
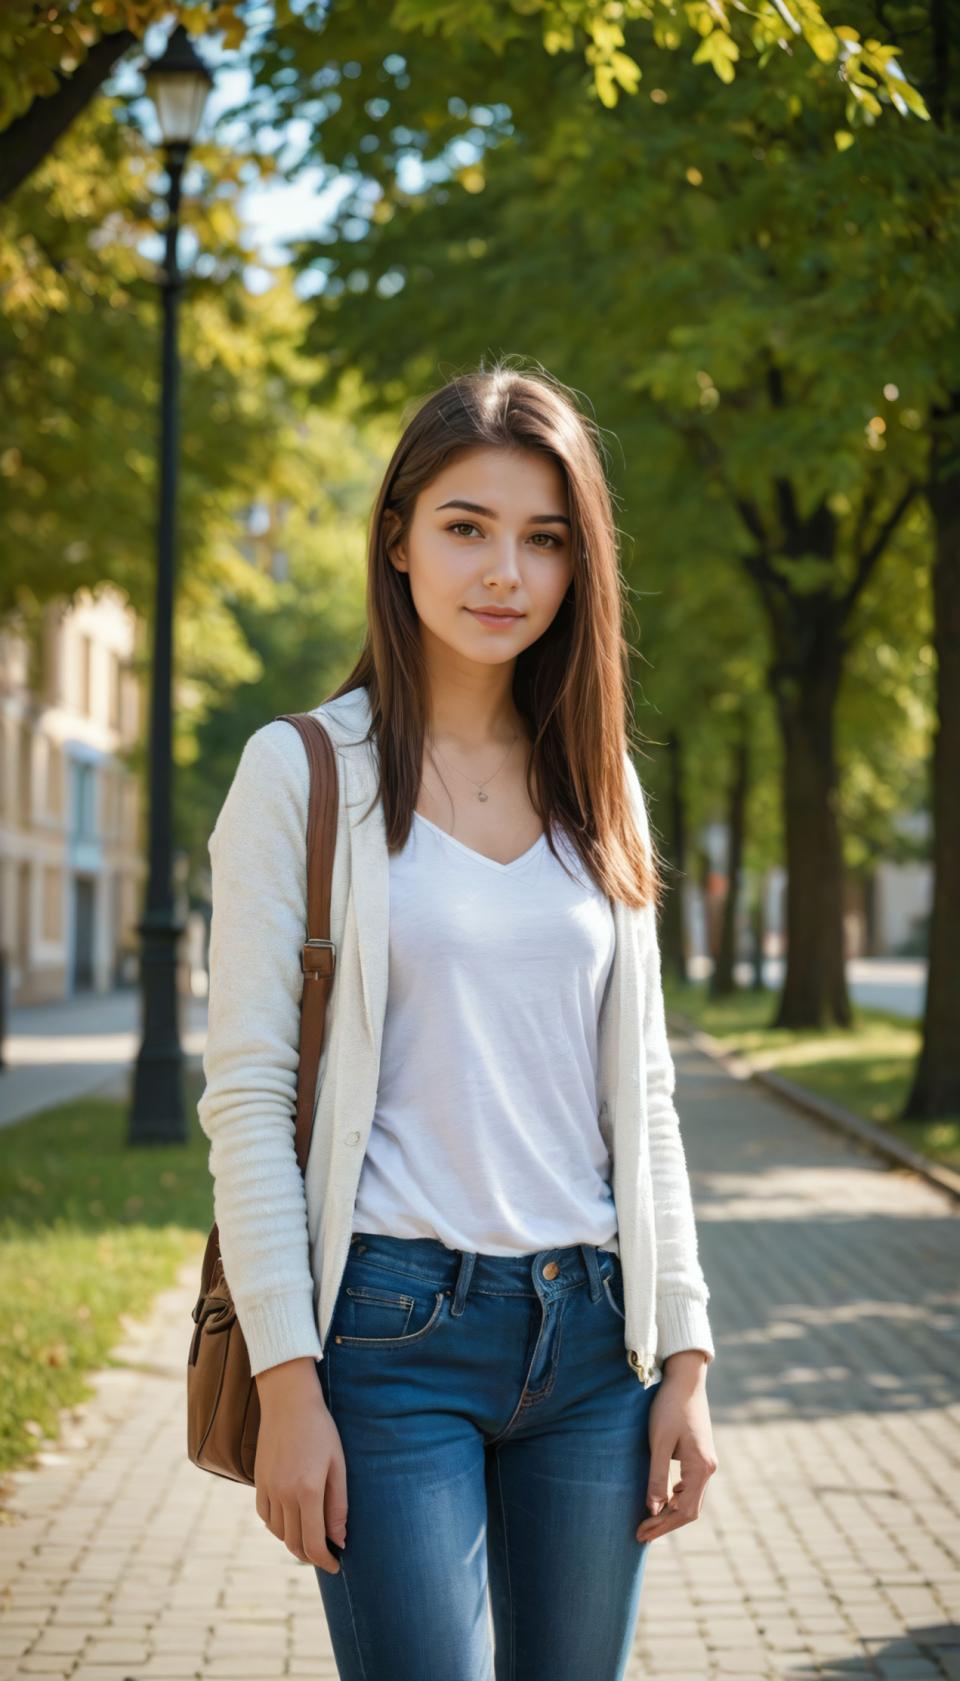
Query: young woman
479 1329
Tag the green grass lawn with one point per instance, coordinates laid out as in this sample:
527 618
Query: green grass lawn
867 1069
90 1229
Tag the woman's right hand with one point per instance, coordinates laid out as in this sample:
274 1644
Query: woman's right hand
299 1471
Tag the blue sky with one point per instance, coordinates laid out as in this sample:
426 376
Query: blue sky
272 212
276 212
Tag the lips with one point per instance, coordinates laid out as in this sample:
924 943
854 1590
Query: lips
492 613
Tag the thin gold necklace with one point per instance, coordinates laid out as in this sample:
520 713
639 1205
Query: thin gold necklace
480 786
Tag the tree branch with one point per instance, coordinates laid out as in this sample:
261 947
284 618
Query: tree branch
869 556
29 139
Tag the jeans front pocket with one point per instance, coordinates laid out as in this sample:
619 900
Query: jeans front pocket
379 1309
378 1313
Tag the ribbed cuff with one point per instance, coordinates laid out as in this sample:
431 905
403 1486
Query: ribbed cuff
280 1327
682 1322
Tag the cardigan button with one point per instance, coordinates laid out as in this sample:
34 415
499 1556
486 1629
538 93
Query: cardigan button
353 1137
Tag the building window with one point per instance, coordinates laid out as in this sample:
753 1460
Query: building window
83 801
86 674
130 812
53 652
54 780
26 774
129 703
111 801
52 886
116 691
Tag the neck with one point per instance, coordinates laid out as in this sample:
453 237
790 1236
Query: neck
470 719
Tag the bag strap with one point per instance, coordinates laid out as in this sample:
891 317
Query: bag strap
318 955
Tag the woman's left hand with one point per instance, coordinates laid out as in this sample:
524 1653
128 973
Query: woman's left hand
680 1428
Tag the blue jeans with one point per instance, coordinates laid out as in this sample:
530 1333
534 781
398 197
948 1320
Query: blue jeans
496 1443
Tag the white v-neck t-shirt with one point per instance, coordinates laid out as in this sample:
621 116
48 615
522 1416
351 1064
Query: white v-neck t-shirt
486 1131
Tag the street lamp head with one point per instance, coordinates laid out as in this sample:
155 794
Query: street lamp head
178 83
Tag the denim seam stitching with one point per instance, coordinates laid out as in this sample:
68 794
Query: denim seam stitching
404 1270
353 1621
404 1306
503 1434
544 1394
347 1341
343 1576
506 1566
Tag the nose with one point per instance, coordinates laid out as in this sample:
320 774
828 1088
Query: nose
504 567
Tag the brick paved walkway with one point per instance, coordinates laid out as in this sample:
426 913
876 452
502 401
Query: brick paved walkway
70 1047
829 1542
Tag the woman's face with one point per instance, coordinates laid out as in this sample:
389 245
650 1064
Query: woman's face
491 530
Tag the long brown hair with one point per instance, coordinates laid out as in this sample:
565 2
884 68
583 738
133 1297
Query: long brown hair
571 685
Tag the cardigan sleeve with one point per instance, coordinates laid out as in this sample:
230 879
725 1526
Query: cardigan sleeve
682 1291
248 1109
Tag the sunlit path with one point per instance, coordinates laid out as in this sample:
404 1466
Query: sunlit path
828 1543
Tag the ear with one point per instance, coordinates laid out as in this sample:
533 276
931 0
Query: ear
395 550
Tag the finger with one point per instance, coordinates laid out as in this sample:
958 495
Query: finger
335 1503
652 1523
293 1533
274 1518
672 1517
658 1503
658 1487
319 1540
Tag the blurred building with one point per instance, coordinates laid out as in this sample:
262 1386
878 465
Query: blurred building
886 915
71 832
900 903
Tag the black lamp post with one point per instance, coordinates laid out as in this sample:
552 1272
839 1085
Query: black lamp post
178 84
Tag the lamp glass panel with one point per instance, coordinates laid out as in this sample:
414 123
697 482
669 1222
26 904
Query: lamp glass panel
179 99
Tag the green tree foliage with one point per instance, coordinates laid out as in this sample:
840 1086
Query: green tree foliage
261 622
761 312
41 47
301 632
54 58
80 371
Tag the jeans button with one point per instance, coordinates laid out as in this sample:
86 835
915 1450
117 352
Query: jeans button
551 1269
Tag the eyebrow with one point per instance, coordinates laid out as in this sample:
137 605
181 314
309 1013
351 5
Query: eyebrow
488 513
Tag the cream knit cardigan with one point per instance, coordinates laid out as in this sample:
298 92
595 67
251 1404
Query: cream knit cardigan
284 1236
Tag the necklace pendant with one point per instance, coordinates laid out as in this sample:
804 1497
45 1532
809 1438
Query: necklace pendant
481 795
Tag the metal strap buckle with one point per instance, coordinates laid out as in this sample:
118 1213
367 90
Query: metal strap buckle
330 943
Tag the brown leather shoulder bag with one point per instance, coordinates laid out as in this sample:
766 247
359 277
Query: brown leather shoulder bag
223 1407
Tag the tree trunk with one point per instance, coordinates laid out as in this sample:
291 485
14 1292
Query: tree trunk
30 138
870 911
758 925
704 868
815 989
723 981
936 1084
808 636
673 941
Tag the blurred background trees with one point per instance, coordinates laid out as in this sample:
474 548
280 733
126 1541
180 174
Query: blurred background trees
736 242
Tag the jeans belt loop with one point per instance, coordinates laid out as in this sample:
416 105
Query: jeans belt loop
468 1261
592 1265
